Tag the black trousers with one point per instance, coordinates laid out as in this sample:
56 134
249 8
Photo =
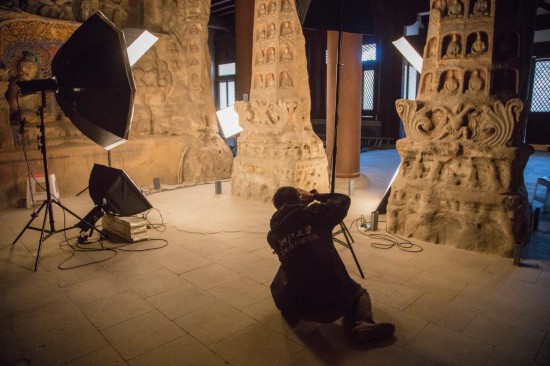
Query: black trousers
361 310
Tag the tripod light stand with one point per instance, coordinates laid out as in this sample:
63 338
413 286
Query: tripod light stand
94 87
343 16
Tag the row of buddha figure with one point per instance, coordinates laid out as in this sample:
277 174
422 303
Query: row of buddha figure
272 7
270 31
270 56
454 9
268 81
455 45
477 43
455 81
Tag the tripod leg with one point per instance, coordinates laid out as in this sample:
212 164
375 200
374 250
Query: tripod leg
48 212
346 233
34 215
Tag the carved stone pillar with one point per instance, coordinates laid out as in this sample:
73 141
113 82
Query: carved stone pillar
349 108
461 175
277 146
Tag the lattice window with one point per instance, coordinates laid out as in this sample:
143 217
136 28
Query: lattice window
369 52
226 85
226 93
226 69
223 94
540 101
368 90
410 82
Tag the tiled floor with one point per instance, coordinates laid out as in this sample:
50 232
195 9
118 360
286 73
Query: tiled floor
204 299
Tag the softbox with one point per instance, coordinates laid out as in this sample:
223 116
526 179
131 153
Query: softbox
95 84
114 191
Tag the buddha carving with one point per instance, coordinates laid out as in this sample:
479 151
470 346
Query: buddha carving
260 57
440 6
454 49
450 86
286 29
479 46
286 6
481 8
286 55
270 55
269 80
286 80
272 31
476 82
262 10
272 7
261 34
26 108
258 82
455 10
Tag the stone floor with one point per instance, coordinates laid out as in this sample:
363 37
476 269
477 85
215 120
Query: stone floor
204 298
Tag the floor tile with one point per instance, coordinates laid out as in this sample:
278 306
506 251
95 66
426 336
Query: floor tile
449 348
257 345
181 301
141 334
115 309
182 351
214 323
506 334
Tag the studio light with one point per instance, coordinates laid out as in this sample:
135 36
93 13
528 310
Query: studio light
138 41
115 192
93 81
405 46
229 121
94 86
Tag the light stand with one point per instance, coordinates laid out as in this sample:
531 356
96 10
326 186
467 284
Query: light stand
94 87
343 16
45 233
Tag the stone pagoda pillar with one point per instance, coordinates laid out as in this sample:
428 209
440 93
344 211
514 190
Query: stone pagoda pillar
277 146
461 175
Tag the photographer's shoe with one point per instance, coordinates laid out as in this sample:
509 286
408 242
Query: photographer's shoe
364 332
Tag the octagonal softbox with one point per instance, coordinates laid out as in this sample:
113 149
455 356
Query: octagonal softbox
95 83
113 190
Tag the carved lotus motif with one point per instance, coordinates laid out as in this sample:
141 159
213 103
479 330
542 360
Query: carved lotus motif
492 125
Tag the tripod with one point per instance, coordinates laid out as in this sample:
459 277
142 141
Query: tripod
343 228
47 204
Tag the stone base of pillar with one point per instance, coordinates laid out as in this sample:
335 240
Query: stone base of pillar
344 185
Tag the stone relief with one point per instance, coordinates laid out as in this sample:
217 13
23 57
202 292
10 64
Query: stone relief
277 145
173 96
481 8
455 9
460 180
118 11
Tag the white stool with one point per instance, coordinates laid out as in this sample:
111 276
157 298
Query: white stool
545 182
39 193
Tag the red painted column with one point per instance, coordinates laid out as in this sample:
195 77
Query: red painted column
244 24
349 108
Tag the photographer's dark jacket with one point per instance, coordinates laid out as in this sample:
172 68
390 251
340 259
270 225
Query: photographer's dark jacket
312 282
